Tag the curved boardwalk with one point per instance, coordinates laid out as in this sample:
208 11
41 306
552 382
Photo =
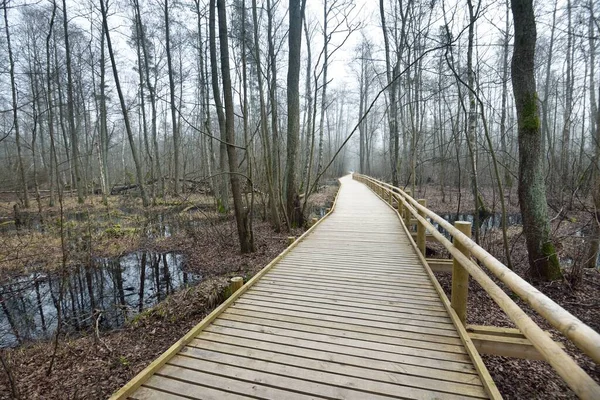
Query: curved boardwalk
349 313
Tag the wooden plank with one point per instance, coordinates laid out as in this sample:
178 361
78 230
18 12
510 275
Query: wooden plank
344 349
397 377
348 300
375 269
334 375
346 306
167 388
408 290
205 340
314 335
400 296
350 325
399 275
391 289
398 299
397 280
146 393
439 265
505 346
439 328
193 383
495 330
334 329
275 385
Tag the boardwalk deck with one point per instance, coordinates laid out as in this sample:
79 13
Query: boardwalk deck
349 313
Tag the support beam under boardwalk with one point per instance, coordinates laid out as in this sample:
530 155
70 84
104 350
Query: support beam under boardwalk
348 311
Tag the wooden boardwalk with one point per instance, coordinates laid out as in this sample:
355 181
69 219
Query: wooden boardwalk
350 312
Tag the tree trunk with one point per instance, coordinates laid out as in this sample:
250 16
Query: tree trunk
503 133
393 106
323 91
223 195
142 95
543 260
472 122
15 108
103 119
296 15
53 157
134 154
268 155
75 161
274 112
309 106
594 244
547 146
245 234
152 96
176 144
566 134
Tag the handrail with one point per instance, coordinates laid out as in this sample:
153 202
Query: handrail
580 334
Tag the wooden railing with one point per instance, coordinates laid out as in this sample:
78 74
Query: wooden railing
463 249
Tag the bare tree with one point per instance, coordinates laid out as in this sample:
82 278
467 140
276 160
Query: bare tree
242 215
75 160
15 107
296 15
124 110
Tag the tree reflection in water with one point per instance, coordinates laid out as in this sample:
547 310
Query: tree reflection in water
109 291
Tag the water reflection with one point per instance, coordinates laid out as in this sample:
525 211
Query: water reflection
102 294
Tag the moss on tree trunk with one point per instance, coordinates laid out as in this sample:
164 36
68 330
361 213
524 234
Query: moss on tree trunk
532 188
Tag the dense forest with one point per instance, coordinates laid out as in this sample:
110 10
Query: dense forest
489 107
232 97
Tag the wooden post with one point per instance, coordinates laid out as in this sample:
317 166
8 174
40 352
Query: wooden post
421 229
460 277
400 207
235 283
291 239
407 214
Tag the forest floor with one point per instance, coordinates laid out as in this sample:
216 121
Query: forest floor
92 364
516 378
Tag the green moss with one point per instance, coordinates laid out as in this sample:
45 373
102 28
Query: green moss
553 271
531 119
116 231
220 207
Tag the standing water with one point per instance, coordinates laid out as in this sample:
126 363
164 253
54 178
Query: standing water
104 294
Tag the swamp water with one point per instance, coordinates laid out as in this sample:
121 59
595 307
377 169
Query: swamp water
104 294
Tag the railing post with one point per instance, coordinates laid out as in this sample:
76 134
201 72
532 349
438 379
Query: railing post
400 207
407 213
421 229
235 284
460 277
